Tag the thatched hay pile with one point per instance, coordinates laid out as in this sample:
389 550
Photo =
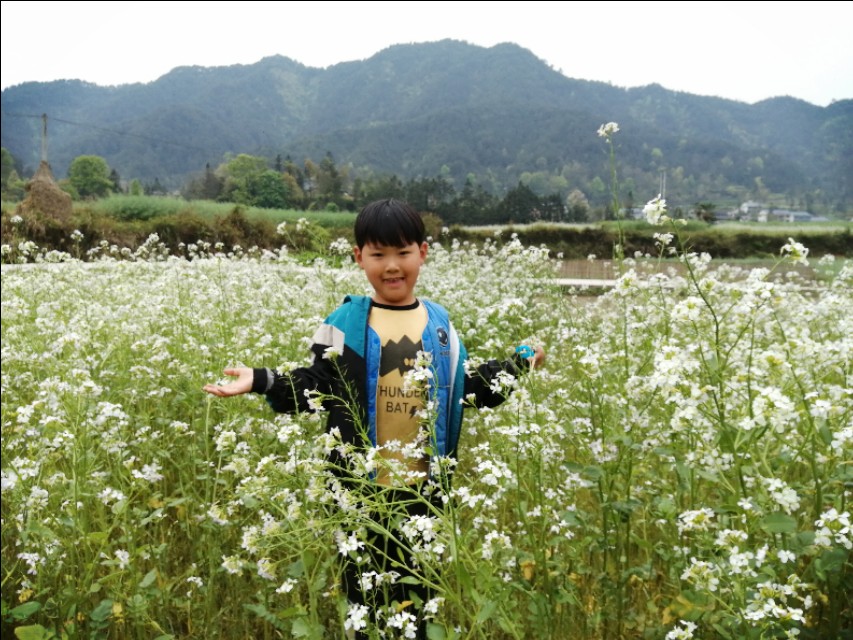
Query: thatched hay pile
45 200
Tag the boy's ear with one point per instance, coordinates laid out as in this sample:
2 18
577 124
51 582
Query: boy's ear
423 251
356 252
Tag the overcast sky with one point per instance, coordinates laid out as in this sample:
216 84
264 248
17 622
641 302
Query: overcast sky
745 51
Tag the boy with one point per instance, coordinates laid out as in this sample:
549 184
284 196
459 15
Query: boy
364 355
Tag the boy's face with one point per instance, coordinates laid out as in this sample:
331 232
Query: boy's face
393 271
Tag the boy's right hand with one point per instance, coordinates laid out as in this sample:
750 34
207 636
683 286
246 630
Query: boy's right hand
243 383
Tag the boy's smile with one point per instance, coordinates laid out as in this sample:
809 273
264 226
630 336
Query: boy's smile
392 271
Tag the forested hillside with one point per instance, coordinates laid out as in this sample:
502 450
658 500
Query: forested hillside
494 116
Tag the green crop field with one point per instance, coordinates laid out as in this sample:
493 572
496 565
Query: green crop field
679 468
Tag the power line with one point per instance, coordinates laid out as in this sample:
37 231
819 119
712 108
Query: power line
106 130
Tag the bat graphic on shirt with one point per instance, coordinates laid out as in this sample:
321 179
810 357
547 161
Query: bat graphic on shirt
399 355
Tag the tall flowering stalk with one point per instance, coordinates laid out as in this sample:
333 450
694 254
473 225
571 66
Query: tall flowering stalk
607 131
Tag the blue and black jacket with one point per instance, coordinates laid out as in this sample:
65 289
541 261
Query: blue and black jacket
347 382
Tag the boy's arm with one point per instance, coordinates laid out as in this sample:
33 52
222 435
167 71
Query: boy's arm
287 392
483 385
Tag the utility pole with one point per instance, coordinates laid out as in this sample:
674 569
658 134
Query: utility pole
44 137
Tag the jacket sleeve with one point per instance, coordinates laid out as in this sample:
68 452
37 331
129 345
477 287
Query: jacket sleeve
483 386
289 392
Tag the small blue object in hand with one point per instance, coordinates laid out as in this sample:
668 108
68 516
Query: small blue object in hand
525 351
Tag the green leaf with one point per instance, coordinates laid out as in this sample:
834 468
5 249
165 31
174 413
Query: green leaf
98 537
33 632
435 632
296 569
302 628
149 579
779 523
24 611
486 612
103 611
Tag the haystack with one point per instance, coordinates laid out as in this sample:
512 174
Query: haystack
44 199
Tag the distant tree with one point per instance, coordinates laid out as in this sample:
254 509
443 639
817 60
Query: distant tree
577 206
329 182
292 169
429 194
14 188
212 184
520 205
706 211
309 183
90 176
375 187
599 190
207 186
268 190
296 197
7 166
136 187
237 174
553 208
115 178
154 188
474 205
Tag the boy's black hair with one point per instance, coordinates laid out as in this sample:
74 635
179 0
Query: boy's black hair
389 222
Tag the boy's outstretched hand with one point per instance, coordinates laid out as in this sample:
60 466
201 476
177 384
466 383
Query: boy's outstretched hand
243 383
538 357
534 356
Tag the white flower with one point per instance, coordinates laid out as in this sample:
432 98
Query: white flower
340 247
607 130
226 440
663 238
357 615
795 252
331 353
266 569
347 543
696 520
150 472
685 632
287 586
232 564
655 211
786 556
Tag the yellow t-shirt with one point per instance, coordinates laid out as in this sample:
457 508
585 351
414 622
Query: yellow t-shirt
400 330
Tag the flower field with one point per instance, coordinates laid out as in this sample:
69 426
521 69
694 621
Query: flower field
679 468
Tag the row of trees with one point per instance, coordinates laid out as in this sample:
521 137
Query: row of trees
284 184
251 180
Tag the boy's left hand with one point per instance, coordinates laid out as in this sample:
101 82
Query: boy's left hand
538 357
535 356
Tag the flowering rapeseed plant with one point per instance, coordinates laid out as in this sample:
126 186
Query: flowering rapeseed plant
680 472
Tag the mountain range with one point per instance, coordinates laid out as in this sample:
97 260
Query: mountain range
495 115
